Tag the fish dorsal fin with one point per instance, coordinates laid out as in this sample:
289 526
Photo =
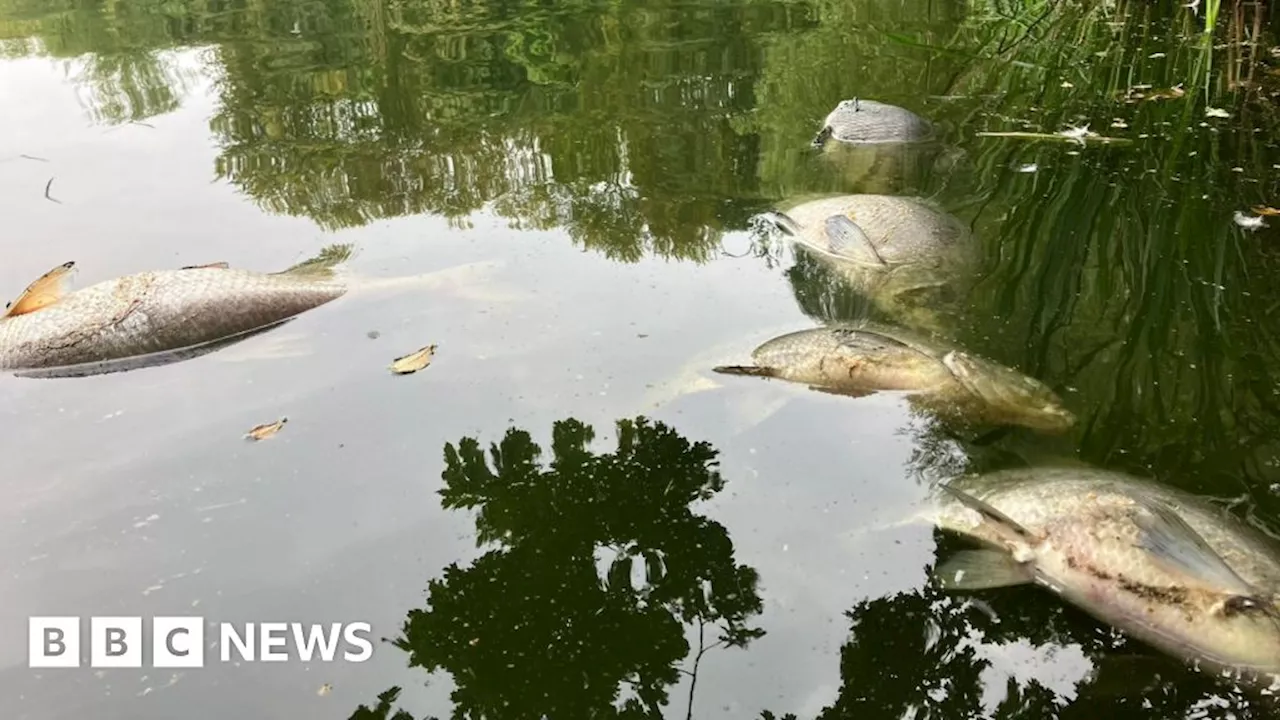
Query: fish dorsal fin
862 338
846 239
322 265
1179 548
991 514
218 266
46 290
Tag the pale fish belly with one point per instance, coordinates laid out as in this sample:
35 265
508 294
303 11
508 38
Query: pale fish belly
1035 496
155 312
1103 574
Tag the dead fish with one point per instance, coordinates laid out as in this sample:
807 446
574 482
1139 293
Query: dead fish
858 359
913 260
1158 564
153 312
861 121
264 431
413 362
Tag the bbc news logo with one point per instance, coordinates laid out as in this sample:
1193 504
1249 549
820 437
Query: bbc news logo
178 642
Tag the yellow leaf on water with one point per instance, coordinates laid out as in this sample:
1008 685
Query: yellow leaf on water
262 432
1265 210
413 362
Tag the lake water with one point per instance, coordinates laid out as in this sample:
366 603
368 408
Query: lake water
566 191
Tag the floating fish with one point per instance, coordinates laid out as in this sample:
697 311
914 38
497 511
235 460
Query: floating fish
1158 564
150 313
859 359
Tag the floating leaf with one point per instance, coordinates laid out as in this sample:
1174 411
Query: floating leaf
414 361
1265 210
262 432
1216 112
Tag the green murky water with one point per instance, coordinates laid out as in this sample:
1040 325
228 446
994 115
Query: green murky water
567 515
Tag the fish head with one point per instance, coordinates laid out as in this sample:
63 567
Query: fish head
1238 633
1022 398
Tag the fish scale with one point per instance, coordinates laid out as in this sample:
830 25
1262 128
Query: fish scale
157 311
1159 564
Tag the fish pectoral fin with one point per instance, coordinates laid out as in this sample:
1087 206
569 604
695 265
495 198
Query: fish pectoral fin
1178 547
752 370
46 290
847 392
1001 521
960 364
217 265
981 570
846 239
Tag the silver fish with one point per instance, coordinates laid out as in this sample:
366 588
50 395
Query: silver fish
1161 565
869 121
149 314
913 260
861 358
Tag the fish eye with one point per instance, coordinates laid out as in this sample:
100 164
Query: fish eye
1240 604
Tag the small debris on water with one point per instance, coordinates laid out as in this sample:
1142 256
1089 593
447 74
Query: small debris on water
47 196
373 334
1028 168
325 689
1249 222
262 432
1265 210
1216 112
1077 133
413 362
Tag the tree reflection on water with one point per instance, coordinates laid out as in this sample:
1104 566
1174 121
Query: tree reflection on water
601 567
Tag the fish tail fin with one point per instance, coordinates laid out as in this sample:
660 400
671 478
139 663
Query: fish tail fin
1002 521
981 570
46 290
752 370
323 263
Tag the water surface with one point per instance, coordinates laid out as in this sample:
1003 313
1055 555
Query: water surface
571 188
